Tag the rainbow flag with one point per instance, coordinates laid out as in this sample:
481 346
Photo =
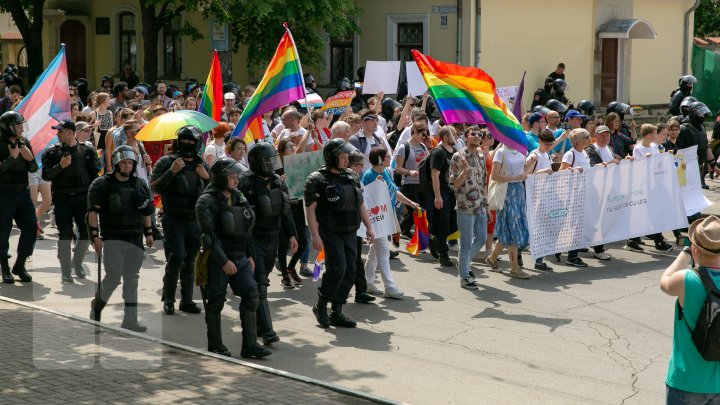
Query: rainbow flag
281 84
47 103
319 264
468 95
211 101
421 237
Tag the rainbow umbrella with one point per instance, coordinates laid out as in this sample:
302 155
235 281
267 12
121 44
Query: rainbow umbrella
164 127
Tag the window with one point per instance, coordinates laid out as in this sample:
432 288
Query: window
409 37
128 41
341 59
172 44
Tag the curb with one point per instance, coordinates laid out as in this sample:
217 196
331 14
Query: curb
297 377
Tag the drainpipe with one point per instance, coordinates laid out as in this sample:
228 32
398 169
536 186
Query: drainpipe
458 51
477 33
686 36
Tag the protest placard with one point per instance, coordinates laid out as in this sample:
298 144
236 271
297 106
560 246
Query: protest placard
298 168
338 103
416 83
686 163
381 77
379 208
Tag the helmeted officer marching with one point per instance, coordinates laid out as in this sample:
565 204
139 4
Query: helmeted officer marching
685 89
692 132
334 208
180 178
71 166
226 221
16 161
119 210
268 196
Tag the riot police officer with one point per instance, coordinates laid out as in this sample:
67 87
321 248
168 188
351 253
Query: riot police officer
71 166
586 107
692 132
226 221
685 88
16 161
334 191
180 178
556 105
558 92
120 204
268 196
685 109
544 94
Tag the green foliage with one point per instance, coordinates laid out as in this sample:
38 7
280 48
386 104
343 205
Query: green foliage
707 19
258 24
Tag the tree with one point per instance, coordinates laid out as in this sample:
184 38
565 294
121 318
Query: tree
707 18
28 16
258 24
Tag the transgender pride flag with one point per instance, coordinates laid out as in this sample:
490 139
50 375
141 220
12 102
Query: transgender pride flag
47 103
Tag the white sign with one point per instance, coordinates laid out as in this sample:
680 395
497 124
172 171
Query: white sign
508 95
416 83
379 208
381 76
686 165
567 211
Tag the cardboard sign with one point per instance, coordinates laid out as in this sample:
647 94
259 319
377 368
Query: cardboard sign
338 103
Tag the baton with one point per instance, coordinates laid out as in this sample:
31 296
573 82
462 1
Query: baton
99 275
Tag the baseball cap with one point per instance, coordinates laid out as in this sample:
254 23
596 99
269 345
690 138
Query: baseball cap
82 125
229 96
602 128
65 125
534 117
574 114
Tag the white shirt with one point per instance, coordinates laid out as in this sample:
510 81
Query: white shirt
543 160
216 150
580 157
285 133
640 151
514 164
604 152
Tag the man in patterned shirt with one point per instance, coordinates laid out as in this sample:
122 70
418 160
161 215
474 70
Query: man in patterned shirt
467 176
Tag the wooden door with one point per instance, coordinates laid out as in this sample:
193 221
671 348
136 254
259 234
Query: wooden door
72 34
609 71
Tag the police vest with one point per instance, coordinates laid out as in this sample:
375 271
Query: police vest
233 228
119 217
183 192
15 178
269 202
76 177
338 208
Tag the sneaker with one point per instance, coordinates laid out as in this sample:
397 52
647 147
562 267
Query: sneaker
472 275
394 293
542 267
306 272
372 289
493 265
468 284
520 274
663 246
67 280
577 262
364 298
446 262
633 247
602 256
286 283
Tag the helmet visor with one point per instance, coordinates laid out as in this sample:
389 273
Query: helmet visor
273 163
701 111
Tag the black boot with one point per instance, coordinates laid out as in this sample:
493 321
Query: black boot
338 319
264 321
20 271
77 260
7 278
130 321
214 335
170 280
96 307
321 314
187 284
248 322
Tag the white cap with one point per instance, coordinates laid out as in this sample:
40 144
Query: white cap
230 96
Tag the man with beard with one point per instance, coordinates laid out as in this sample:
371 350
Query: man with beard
443 197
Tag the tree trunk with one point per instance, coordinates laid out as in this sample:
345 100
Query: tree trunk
151 31
31 31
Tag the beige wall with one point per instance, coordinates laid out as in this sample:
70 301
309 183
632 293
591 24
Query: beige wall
513 41
657 64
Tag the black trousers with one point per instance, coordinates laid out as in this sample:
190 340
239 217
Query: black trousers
122 259
71 208
181 243
441 223
18 207
298 212
340 258
266 248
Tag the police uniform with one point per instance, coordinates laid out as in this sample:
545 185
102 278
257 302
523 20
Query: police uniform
179 193
16 206
69 193
270 200
226 225
122 207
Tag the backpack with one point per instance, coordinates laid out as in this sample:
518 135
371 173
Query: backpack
425 175
706 335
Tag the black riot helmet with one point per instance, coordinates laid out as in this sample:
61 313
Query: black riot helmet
344 84
559 86
333 148
555 105
222 168
264 159
388 107
685 105
11 68
107 78
8 122
586 107
189 133
230 87
698 112
123 152
619 108
309 79
540 109
686 83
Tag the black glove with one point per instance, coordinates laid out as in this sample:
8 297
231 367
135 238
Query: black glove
143 201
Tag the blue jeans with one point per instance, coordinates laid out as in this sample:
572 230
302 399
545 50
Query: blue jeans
680 397
473 233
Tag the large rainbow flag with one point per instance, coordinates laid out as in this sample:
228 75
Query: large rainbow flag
468 95
47 103
281 84
212 97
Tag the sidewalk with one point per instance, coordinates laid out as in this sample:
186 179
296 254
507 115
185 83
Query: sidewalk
50 359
